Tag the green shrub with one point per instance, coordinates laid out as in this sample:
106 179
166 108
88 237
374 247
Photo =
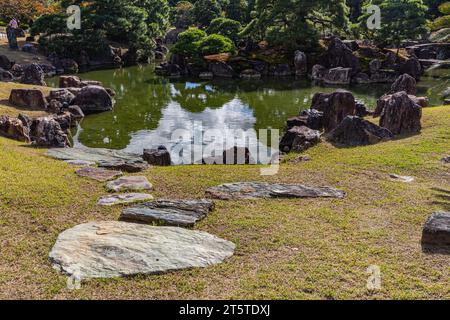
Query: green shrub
188 42
226 27
216 43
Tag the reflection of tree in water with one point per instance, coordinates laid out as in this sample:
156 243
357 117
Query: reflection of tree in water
139 101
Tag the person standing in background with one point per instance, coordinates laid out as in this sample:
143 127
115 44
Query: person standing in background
11 32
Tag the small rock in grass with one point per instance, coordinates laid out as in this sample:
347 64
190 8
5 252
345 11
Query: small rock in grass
124 198
445 160
129 183
436 233
405 179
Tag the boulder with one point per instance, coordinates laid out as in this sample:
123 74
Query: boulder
362 110
46 132
405 83
6 76
61 95
98 174
299 139
129 183
221 70
76 112
93 99
374 66
28 98
338 75
94 155
112 249
436 233
181 213
256 190
311 118
157 157
69 66
318 72
381 103
127 165
362 78
339 55
335 107
76 82
300 63
14 128
401 115
5 63
33 74
355 131
65 120
412 67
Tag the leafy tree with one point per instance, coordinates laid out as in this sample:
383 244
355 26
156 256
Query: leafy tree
24 10
216 43
444 20
205 11
236 10
400 20
226 27
433 8
181 14
187 43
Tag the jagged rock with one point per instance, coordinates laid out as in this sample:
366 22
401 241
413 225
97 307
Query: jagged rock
65 120
405 83
362 110
13 128
436 233
93 99
26 120
354 131
300 63
28 98
318 72
338 75
335 107
412 67
404 179
123 198
69 65
116 249
311 118
129 183
221 70
383 101
374 66
182 213
76 113
157 157
400 114
33 74
383 76
299 139
98 174
46 132
6 76
61 95
93 154
76 82
339 55
131 166
5 63
255 190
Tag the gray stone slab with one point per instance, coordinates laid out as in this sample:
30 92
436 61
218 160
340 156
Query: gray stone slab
98 174
129 183
436 233
123 198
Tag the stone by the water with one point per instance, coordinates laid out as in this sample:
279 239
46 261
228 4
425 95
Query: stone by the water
131 166
183 213
80 163
123 198
405 179
93 154
129 183
436 233
255 190
111 249
98 174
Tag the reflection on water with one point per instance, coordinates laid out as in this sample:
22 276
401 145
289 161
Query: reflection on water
150 108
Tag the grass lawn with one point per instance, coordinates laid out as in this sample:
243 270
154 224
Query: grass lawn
286 249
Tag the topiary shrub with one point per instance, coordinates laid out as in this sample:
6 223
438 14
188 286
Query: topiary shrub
226 27
188 42
216 43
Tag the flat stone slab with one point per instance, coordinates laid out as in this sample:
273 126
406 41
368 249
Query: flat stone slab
404 179
436 233
80 163
112 249
123 198
131 166
183 213
255 190
98 174
129 183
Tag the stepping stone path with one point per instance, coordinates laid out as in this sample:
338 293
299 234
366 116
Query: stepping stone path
80 163
183 213
129 183
112 249
98 174
436 233
131 166
255 190
124 198
404 179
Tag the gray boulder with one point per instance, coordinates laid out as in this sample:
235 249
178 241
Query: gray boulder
47 132
33 74
299 139
157 157
401 115
300 63
339 55
28 98
338 75
436 233
221 70
405 83
93 99
14 128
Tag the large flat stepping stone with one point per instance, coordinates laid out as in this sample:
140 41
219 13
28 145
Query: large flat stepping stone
98 174
183 213
107 158
112 249
129 183
80 163
123 198
255 190
436 233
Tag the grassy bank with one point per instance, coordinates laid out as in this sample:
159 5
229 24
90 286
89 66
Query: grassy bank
286 249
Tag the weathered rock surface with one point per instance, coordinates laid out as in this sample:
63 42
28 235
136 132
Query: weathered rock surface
338 75
93 99
131 166
300 63
123 198
129 183
115 249
28 98
13 128
5 63
299 139
405 83
61 95
33 74
80 163
221 70
6 76
355 131
47 132
318 72
311 118
335 107
157 157
183 213
255 190
436 233
93 154
400 114
98 174
76 82
339 55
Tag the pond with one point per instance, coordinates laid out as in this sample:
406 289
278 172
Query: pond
149 108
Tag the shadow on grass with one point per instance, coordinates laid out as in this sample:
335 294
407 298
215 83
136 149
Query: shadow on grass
443 197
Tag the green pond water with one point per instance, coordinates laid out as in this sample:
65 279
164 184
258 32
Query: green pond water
150 108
